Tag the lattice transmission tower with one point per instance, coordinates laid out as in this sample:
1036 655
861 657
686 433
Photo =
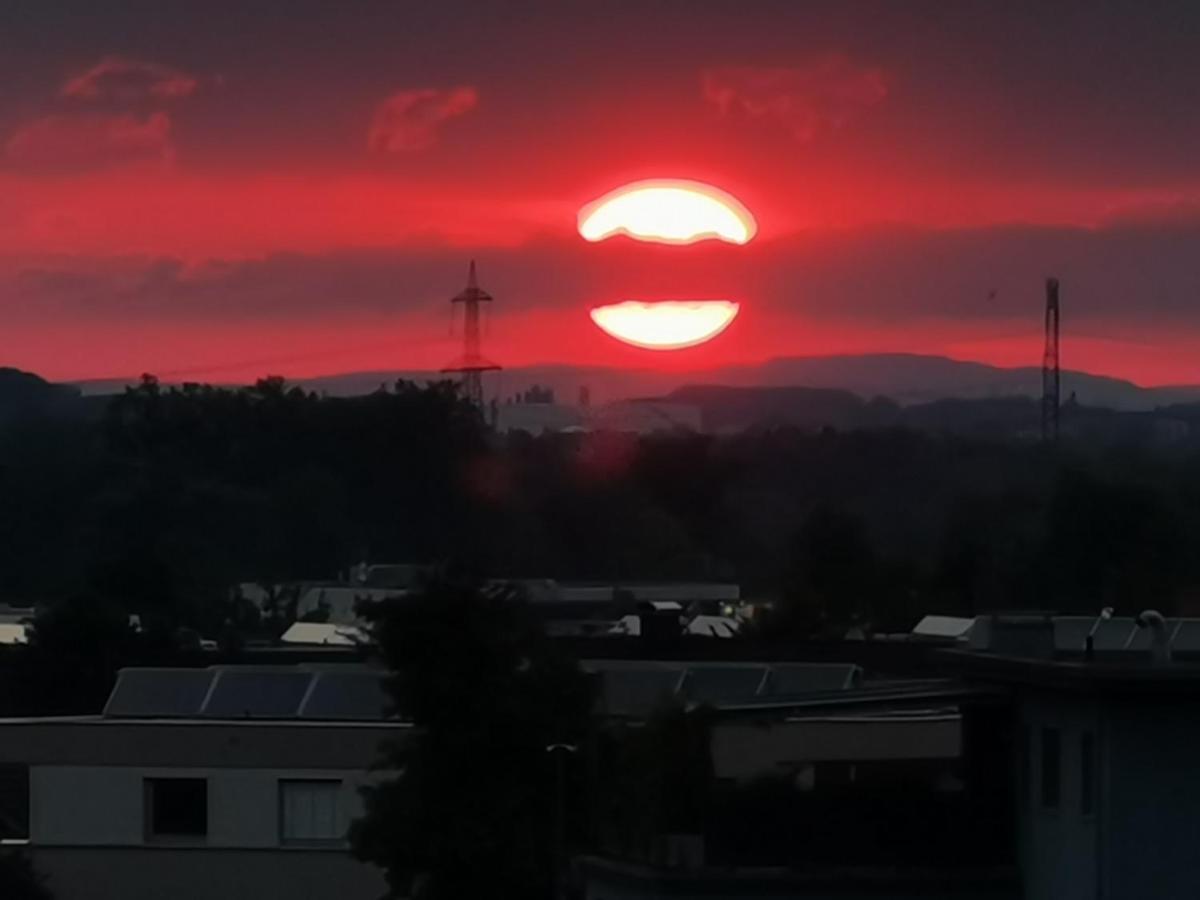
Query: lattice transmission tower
472 364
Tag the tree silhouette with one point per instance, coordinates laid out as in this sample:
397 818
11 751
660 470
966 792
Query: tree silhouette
159 500
469 808
76 647
19 880
655 781
833 577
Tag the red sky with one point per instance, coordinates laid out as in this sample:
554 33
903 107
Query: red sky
220 192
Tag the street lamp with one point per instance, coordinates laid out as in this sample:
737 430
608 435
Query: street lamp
1089 644
560 752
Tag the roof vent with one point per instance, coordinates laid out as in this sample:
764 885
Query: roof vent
1160 643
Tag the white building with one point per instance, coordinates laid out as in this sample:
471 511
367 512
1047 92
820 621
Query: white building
324 634
1108 802
14 624
340 604
226 783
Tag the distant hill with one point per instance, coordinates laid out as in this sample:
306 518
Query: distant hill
926 393
910 378
24 395
734 409
906 378
986 417
727 409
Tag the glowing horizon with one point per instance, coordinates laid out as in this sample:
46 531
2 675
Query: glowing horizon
668 211
665 324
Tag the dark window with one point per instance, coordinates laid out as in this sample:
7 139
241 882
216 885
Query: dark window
1087 773
176 807
14 801
832 775
1051 777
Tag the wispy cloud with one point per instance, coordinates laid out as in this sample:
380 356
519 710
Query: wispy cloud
122 79
91 141
818 96
412 119
114 114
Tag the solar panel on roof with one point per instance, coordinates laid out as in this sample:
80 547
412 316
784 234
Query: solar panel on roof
1115 634
257 693
346 695
711 684
1187 637
811 678
1142 639
159 693
1070 632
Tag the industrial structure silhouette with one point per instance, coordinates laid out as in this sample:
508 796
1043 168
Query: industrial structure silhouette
472 364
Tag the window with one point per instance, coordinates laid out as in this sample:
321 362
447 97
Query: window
309 812
1051 781
1087 773
176 808
14 801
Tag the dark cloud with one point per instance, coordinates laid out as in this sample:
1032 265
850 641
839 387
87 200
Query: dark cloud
870 278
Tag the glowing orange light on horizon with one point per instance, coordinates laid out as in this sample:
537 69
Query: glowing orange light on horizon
668 212
665 324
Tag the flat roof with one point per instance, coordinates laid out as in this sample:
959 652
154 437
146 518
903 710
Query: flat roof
782 881
869 696
1134 676
92 721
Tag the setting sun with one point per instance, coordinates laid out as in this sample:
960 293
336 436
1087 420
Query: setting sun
669 212
666 324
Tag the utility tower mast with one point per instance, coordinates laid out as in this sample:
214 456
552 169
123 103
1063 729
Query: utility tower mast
1051 375
471 365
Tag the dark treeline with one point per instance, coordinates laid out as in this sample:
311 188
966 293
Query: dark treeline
167 497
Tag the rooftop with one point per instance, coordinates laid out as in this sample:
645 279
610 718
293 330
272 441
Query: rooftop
1132 675
983 883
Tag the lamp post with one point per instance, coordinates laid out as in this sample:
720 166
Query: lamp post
1089 644
560 752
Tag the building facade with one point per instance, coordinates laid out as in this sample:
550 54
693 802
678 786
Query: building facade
132 806
1109 801
1106 723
